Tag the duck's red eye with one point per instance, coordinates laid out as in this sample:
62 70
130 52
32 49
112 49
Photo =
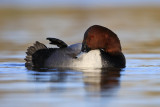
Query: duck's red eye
91 37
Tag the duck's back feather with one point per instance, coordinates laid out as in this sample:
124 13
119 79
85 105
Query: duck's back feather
66 58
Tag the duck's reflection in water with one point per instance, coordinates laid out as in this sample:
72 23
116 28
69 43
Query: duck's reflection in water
95 82
106 81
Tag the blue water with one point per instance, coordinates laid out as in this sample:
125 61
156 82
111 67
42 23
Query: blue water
73 3
136 85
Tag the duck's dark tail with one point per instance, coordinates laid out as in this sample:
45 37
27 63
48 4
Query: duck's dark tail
35 54
39 53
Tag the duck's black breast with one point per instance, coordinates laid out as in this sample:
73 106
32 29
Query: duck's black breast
113 60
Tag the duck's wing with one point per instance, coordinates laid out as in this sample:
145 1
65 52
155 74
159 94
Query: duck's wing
57 42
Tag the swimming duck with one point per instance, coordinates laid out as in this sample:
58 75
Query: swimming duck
100 48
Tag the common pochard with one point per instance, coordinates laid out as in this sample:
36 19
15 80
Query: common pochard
100 48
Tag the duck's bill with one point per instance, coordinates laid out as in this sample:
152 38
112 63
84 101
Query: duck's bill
80 54
85 48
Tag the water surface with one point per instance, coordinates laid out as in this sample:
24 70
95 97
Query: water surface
136 85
